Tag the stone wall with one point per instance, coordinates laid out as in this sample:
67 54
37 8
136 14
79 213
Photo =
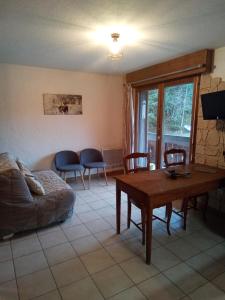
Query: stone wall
210 142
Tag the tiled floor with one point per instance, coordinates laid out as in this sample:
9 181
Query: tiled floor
84 259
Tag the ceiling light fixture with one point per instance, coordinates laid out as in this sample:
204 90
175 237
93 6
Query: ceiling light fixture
115 47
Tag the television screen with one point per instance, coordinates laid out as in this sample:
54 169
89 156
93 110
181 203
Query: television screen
213 106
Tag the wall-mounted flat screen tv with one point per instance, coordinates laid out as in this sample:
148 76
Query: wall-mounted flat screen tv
213 106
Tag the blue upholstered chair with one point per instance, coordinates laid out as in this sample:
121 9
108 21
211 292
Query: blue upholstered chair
68 161
92 159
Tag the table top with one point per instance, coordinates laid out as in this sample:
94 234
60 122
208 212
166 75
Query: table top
156 183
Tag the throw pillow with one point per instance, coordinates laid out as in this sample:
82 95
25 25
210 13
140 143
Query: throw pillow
34 185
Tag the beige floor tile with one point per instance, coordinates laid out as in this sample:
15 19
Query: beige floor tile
98 204
208 292
25 247
5 253
6 271
74 220
220 281
138 270
201 240
160 288
182 249
162 236
59 253
68 272
86 245
120 251
106 211
130 294
82 290
164 259
88 216
8 291
185 277
217 252
82 208
52 239
35 284
98 225
112 281
30 263
97 261
76 232
108 237
54 295
206 265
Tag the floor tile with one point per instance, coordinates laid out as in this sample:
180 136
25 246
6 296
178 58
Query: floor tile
82 290
54 295
217 252
86 245
48 230
59 253
106 211
206 265
98 225
82 208
89 216
8 291
52 239
201 240
220 281
182 249
111 281
130 294
30 263
108 237
120 252
160 288
6 271
35 284
74 220
162 236
68 272
76 232
97 261
164 259
5 253
138 270
207 292
25 247
185 277
98 204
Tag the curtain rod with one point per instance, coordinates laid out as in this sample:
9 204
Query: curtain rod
170 73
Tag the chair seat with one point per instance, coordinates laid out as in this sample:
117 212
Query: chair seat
71 167
100 164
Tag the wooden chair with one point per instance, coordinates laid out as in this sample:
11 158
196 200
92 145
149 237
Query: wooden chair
131 166
178 157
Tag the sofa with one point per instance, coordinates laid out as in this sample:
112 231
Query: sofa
21 209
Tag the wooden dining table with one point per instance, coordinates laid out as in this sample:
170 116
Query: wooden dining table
152 189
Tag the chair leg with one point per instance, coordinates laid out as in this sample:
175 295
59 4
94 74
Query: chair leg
128 212
185 211
82 179
75 175
97 172
169 209
84 171
89 178
143 225
65 176
105 176
205 206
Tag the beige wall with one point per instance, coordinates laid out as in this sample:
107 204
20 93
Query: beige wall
34 137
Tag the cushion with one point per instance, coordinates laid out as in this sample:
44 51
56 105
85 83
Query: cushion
100 164
71 167
7 162
34 185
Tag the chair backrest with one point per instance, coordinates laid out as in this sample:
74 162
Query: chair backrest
90 155
174 157
131 164
66 157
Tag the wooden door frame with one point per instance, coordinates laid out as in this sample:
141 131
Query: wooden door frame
161 88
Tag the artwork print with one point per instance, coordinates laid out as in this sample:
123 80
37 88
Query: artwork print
60 104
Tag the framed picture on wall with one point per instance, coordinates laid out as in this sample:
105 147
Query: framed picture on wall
61 104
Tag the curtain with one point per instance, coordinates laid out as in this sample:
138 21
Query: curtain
129 120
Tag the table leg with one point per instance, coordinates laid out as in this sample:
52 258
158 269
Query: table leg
118 208
148 234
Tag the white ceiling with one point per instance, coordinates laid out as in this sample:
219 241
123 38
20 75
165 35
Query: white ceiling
60 33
